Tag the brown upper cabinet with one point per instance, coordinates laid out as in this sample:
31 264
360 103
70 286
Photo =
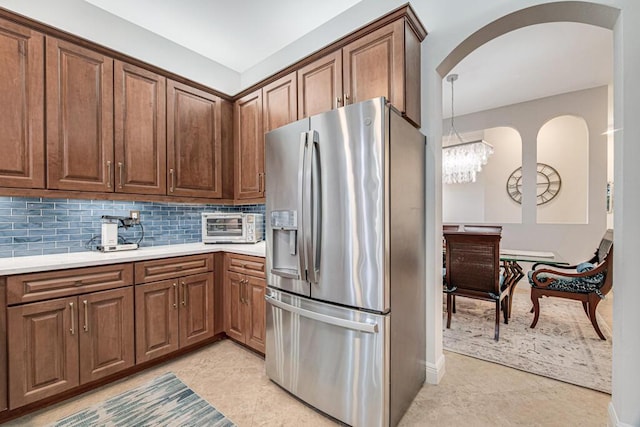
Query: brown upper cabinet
385 62
320 85
79 118
194 147
87 121
259 112
140 130
279 102
248 137
22 107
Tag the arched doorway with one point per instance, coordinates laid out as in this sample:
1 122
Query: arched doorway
583 12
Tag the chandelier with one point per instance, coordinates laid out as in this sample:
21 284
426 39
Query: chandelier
461 161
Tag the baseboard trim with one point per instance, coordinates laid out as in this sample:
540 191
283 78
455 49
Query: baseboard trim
435 371
614 421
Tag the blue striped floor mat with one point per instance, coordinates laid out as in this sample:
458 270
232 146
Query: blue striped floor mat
165 401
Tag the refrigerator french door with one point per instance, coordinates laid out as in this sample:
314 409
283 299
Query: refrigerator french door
325 202
345 262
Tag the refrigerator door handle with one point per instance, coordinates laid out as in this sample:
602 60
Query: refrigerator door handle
301 194
369 328
312 207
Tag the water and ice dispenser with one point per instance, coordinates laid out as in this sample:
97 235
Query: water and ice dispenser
285 260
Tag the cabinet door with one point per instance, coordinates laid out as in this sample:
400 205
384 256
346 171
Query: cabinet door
140 130
106 333
22 107
234 311
196 308
43 338
156 319
374 66
4 404
320 85
194 147
79 118
249 147
255 333
279 102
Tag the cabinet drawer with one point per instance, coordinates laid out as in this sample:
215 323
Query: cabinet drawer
61 283
168 268
244 264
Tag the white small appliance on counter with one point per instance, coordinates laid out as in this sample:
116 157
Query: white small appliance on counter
232 227
110 242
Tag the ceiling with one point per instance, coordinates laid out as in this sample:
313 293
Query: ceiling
235 33
528 63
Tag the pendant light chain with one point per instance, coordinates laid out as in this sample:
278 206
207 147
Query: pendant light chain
453 131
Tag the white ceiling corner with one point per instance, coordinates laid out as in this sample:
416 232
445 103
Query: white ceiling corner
237 34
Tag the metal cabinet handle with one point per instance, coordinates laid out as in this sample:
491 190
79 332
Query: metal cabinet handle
346 99
175 295
108 173
73 322
171 180
120 167
246 291
86 316
241 291
338 101
184 294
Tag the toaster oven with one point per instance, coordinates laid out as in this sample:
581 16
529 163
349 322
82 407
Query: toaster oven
231 227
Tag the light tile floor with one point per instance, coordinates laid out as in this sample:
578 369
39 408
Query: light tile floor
472 393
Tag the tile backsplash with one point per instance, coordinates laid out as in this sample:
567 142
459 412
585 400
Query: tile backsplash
40 226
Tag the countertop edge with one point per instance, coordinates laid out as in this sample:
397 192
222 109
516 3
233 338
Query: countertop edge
34 264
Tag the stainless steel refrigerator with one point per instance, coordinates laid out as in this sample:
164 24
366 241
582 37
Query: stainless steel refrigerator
345 216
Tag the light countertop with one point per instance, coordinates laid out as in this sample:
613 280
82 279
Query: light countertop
31 264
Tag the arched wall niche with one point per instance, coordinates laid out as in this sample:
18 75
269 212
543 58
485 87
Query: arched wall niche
563 144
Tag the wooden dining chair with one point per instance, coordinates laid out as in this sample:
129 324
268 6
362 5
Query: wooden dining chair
587 282
473 270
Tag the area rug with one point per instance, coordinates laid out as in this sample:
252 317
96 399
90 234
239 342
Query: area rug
165 401
563 345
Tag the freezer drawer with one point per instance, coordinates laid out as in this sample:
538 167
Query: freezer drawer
333 358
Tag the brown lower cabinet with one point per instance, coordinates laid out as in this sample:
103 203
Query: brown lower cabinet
244 304
4 404
56 345
173 314
67 328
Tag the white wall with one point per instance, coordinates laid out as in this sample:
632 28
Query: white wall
486 200
499 207
566 233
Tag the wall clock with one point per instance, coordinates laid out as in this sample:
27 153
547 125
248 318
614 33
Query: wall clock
548 183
